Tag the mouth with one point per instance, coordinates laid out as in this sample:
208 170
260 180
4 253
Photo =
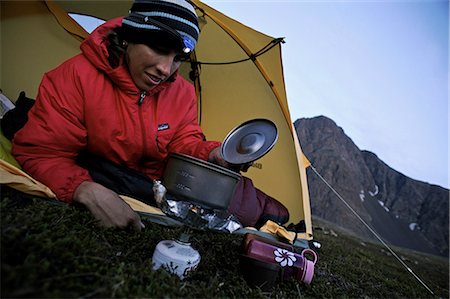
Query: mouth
154 80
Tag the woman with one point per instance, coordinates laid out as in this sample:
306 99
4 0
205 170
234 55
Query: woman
122 99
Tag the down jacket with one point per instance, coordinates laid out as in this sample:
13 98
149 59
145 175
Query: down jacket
84 104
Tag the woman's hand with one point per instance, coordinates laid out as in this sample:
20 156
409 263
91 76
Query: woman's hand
215 156
107 206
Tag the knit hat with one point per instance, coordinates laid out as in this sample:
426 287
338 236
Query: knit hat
176 19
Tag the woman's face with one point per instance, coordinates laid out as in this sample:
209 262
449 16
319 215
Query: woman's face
149 67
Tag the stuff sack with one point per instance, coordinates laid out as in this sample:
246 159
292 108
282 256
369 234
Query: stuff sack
15 119
253 207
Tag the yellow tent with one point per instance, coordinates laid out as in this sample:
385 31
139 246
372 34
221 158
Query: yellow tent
38 35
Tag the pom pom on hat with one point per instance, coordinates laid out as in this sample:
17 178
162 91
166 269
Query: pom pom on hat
174 18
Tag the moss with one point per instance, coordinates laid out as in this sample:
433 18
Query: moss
56 250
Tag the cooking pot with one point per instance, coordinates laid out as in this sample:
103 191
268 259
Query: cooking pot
200 182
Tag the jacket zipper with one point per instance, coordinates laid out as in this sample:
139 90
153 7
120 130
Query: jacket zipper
142 121
141 97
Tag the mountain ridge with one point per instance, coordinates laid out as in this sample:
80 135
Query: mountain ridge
403 211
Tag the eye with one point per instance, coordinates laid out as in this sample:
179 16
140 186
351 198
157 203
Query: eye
181 57
161 50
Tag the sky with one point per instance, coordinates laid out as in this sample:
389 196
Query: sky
379 69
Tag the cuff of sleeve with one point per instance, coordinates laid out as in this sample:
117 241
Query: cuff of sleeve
207 148
66 193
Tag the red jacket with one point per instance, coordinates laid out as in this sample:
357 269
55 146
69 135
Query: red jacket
85 104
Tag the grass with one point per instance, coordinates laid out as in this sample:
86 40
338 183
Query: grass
58 251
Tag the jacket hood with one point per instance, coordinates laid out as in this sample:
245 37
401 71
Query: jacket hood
94 48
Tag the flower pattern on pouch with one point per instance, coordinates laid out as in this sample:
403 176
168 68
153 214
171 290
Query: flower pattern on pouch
284 257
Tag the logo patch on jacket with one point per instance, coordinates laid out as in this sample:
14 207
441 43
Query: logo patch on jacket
162 127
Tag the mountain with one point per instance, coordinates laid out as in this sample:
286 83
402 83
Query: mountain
402 211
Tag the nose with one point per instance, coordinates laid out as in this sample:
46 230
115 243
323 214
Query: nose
164 65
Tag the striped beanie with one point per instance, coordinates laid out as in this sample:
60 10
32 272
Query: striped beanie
175 19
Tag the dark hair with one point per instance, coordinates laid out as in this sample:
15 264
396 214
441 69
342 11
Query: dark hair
115 47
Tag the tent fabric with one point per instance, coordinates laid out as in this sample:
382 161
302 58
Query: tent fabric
228 94
255 89
33 43
5 151
66 21
16 178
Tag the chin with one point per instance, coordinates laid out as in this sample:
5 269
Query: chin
145 87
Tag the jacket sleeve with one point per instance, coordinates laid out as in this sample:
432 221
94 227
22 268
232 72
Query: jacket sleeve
48 144
190 139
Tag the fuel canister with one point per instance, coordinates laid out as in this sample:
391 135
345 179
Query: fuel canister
176 256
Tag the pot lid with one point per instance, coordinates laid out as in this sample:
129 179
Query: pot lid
249 141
